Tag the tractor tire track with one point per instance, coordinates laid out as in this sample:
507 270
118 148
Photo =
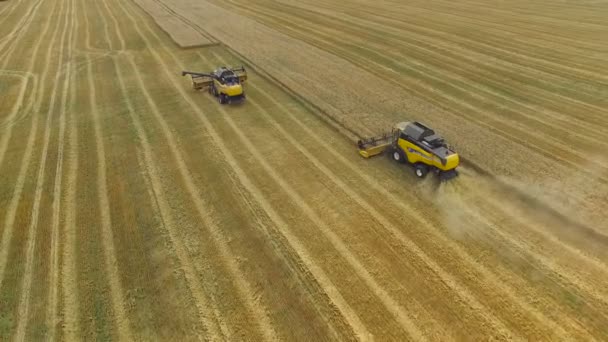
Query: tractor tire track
54 283
319 274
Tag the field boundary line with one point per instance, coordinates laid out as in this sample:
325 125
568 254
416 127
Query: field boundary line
318 272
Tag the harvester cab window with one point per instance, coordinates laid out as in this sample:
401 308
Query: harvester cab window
231 80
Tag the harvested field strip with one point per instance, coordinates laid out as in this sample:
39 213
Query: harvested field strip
195 107
131 248
18 211
373 184
178 86
41 205
309 212
302 127
138 208
486 275
360 201
434 238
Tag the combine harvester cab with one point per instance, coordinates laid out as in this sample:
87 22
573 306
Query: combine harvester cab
417 145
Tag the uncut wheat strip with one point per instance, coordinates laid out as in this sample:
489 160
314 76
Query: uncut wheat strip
418 41
329 37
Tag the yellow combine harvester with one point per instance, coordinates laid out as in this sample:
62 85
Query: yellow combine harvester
416 144
224 83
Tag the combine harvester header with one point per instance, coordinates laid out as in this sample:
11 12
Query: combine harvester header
416 144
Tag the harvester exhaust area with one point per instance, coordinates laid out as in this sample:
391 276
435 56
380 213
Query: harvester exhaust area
417 145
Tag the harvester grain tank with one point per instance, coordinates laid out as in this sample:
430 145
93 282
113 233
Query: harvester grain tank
417 145
224 83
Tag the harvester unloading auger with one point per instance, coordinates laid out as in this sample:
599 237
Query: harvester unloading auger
416 144
224 83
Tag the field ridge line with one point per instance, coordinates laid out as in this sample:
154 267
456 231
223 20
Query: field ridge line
24 300
327 285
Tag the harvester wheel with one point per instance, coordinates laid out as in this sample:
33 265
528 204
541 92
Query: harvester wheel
398 156
421 170
222 99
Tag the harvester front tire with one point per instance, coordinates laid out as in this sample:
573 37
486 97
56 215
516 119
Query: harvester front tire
222 99
398 156
421 170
